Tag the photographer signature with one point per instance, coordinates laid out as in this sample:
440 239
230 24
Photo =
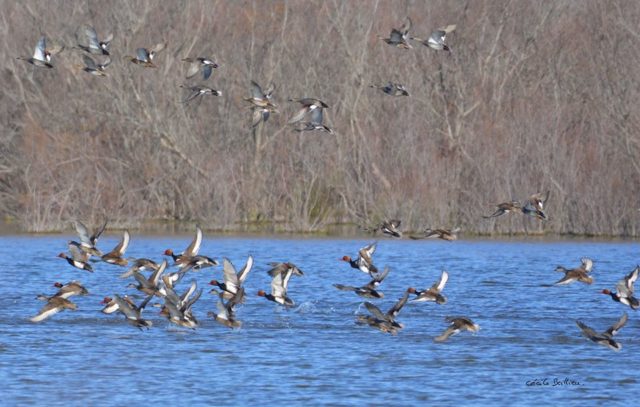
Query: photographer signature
554 382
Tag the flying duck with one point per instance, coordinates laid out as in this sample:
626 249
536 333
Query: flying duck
433 293
580 273
457 324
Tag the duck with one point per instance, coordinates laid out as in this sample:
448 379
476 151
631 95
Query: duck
132 313
625 289
504 208
78 259
206 64
232 280
399 37
226 311
259 97
308 105
197 91
42 55
364 261
53 306
261 114
315 123
368 290
182 259
199 262
281 275
392 89
385 322
532 209
115 256
434 293
437 38
580 273
444 234
88 242
605 338
144 56
151 285
140 264
389 228
86 34
457 324
179 309
283 268
66 290
93 68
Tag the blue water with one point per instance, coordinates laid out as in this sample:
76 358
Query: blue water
315 354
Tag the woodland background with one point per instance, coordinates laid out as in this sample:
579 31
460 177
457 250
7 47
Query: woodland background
536 96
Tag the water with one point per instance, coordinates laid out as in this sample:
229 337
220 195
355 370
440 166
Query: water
315 354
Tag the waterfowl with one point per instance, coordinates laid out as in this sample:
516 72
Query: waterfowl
392 89
132 313
505 207
444 234
279 282
151 285
179 309
66 290
199 262
261 114
308 105
605 338
434 293
580 273
88 242
198 91
389 227
385 322
42 55
283 268
315 123
368 290
183 258
207 65
364 261
232 280
625 289
399 37
226 311
140 265
115 256
89 42
259 97
534 206
457 324
78 259
437 38
144 57
53 306
93 68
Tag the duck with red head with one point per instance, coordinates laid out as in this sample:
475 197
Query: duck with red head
625 289
78 259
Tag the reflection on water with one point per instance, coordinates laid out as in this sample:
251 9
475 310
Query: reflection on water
528 347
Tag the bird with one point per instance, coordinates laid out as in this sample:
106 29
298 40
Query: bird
151 285
625 289
88 40
139 265
261 114
179 309
444 234
281 274
132 313
368 290
388 227
580 273
42 55
232 280
399 37
53 306
115 256
434 293
605 338
308 105
315 123
90 66
88 242
78 259
457 324
534 206
259 97
437 38
145 57
206 64
226 311
196 91
183 258
66 290
505 207
199 262
392 89
283 268
364 261
385 322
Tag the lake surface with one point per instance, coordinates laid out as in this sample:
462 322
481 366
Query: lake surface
315 354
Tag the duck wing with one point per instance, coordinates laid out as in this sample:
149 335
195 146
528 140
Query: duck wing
438 286
244 272
231 280
376 312
613 329
194 246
